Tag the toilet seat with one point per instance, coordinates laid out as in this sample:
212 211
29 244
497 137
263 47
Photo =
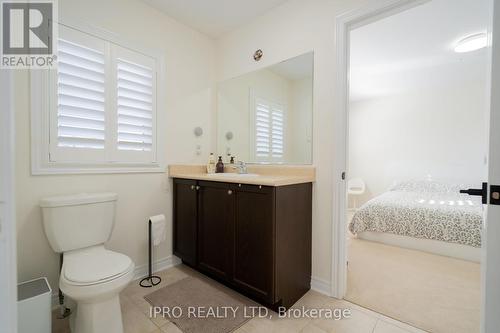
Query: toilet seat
94 265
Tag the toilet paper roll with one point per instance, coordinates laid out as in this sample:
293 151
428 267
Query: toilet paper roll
158 229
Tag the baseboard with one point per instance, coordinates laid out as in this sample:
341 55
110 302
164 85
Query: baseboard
321 286
139 272
159 265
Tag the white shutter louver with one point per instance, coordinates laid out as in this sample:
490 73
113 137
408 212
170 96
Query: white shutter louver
262 128
80 96
277 132
134 106
269 130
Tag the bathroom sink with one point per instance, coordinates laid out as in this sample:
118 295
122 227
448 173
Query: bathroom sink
231 175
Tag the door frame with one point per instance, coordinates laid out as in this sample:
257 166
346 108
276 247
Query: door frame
344 23
490 269
8 262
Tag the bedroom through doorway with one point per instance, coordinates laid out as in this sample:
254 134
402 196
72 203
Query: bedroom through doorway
418 125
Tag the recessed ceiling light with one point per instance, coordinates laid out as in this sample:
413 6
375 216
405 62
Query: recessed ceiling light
471 43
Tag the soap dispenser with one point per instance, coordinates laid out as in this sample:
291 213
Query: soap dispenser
219 168
211 163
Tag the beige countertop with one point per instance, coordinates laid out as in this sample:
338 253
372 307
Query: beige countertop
267 175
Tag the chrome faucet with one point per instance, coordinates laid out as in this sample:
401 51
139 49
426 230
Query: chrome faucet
241 167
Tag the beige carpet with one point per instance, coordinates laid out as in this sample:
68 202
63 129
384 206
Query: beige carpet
206 295
435 293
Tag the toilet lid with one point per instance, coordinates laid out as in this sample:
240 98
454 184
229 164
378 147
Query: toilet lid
95 266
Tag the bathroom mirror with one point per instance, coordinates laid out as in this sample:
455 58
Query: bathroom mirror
268 113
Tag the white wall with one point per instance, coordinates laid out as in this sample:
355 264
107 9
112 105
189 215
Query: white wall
289 30
189 102
433 127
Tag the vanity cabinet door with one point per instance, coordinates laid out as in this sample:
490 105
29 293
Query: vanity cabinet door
215 229
254 236
185 220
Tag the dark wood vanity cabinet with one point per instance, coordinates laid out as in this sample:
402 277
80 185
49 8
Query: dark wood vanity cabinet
185 207
256 239
215 227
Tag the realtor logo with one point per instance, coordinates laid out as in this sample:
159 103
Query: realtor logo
28 34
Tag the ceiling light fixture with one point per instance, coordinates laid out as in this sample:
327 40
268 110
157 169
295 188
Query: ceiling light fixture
471 43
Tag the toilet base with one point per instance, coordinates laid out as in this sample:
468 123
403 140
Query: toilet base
97 304
104 316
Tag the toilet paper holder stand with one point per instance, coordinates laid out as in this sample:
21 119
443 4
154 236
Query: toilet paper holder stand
150 280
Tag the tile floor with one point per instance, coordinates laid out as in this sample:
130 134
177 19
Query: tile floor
136 318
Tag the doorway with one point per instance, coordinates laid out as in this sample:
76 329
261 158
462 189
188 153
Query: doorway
387 158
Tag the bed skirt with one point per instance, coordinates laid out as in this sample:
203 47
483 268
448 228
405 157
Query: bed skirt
454 250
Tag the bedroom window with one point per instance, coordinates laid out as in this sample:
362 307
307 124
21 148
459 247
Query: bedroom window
100 113
269 130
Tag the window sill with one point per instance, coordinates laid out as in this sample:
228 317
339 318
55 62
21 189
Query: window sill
61 169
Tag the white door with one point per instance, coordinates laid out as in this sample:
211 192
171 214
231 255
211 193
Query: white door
491 270
8 284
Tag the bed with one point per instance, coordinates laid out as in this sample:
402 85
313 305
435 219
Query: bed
424 215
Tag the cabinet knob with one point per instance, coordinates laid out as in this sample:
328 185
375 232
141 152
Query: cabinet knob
229 192
197 188
192 187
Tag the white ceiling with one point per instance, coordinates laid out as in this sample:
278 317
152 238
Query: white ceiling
416 42
214 17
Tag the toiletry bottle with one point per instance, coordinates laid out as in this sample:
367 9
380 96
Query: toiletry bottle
219 168
211 163
232 160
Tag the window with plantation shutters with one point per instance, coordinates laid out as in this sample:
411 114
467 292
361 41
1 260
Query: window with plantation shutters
134 119
102 104
81 97
269 130
135 106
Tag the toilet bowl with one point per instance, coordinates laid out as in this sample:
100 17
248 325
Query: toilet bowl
93 278
91 275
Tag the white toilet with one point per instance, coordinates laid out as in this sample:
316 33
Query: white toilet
78 226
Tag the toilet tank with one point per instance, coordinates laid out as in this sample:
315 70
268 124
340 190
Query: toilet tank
77 221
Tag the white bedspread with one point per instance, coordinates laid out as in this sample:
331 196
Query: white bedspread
443 215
